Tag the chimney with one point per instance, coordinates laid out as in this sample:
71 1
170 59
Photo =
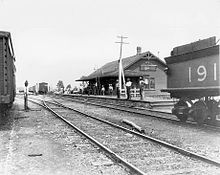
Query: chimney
138 50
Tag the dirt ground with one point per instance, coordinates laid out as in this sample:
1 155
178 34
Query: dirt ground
35 142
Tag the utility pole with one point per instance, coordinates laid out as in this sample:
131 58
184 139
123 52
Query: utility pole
26 96
121 76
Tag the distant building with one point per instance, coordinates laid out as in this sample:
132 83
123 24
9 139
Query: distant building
145 65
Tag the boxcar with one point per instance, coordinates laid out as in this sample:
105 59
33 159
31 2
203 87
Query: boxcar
7 71
193 78
43 88
32 89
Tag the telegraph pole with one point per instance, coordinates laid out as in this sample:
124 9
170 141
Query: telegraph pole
26 96
121 76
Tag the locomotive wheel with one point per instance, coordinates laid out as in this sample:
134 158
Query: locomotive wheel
200 112
10 105
212 109
183 104
182 117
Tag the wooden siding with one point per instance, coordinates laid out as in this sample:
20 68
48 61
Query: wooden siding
1 67
159 75
7 71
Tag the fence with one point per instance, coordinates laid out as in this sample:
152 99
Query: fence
134 92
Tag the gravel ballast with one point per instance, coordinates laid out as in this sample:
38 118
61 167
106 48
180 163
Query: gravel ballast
195 139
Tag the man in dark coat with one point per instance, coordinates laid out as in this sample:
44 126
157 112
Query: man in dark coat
128 88
117 89
141 86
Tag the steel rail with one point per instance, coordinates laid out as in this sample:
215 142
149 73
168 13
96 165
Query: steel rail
163 143
125 110
110 152
94 98
138 108
191 123
32 101
129 110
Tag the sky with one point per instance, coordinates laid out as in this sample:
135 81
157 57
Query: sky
65 39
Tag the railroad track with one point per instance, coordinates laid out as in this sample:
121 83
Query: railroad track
143 111
87 144
140 153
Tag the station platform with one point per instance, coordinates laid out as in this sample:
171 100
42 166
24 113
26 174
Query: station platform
147 98
158 103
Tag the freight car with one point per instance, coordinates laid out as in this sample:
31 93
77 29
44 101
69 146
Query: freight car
39 88
33 89
193 78
7 71
43 88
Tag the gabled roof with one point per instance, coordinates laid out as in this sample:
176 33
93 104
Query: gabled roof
111 69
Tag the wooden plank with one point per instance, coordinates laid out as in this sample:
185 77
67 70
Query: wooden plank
133 125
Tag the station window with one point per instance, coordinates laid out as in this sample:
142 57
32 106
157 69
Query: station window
149 83
152 83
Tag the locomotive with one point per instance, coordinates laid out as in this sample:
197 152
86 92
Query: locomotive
7 71
193 78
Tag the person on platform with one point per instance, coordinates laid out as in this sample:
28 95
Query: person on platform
117 89
141 85
110 89
103 90
128 88
95 89
146 82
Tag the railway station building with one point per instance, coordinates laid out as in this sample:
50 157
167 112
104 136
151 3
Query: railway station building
145 65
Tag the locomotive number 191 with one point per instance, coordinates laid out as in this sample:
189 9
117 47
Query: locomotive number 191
201 73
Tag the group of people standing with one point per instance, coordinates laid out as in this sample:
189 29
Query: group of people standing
128 85
110 90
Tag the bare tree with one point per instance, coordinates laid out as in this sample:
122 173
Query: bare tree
68 87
